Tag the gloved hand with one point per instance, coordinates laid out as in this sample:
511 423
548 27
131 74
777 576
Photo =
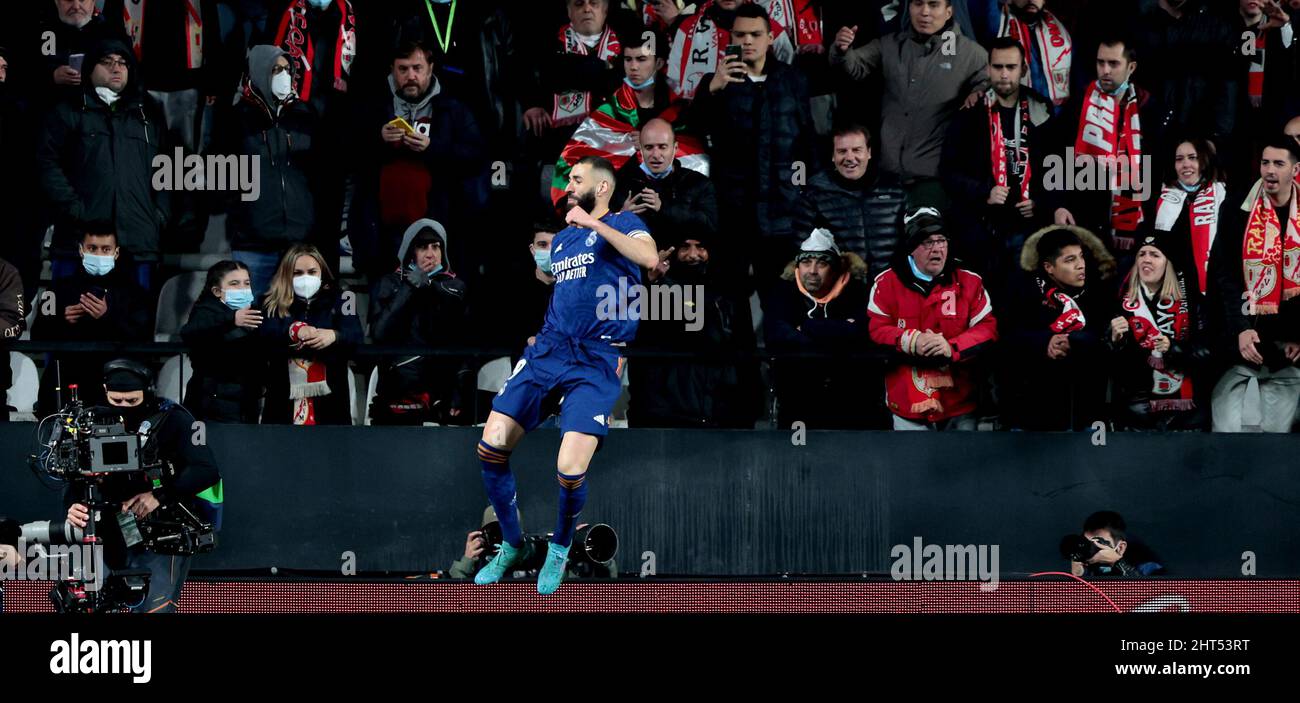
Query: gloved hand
416 277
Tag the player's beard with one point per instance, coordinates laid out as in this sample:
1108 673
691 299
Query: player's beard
586 201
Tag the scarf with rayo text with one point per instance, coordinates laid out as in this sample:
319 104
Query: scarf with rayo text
1270 254
699 44
1054 46
306 382
1069 316
997 145
923 394
1171 390
133 20
571 106
1203 221
294 37
1111 133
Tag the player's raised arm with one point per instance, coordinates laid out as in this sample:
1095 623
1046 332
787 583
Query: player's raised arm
591 185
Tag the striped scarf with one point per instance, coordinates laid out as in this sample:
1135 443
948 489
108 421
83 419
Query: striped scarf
608 132
133 20
295 38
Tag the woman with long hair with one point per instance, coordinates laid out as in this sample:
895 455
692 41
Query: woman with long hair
229 366
1190 204
1158 337
310 337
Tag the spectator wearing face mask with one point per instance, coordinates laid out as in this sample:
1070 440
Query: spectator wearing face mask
272 124
222 334
421 304
96 163
310 330
99 302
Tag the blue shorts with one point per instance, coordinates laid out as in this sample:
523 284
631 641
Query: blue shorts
585 374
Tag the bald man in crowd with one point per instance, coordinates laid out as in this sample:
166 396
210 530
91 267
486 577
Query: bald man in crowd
675 202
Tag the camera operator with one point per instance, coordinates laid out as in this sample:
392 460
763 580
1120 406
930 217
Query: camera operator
1115 555
192 478
478 545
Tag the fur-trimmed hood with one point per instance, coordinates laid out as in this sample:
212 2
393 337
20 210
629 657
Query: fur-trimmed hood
856 266
1104 259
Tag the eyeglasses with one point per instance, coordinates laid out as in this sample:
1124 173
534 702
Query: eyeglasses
113 63
278 69
935 243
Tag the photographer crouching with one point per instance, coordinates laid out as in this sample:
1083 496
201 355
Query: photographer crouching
189 486
1106 549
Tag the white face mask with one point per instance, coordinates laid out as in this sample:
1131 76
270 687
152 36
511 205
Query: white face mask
306 286
107 94
282 85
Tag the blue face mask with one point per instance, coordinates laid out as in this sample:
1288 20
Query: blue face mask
543 259
97 265
1189 188
916 271
238 298
320 4
1121 89
436 269
646 170
639 86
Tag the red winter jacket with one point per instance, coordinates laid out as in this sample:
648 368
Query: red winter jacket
955 305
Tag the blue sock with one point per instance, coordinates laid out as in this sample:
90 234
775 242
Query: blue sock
573 495
500 485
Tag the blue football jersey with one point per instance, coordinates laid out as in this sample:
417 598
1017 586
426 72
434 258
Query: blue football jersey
592 283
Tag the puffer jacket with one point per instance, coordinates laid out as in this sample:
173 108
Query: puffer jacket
866 216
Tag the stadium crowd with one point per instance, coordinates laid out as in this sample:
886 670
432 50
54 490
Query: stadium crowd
907 214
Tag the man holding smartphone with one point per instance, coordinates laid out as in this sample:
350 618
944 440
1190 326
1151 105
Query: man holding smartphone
100 302
755 110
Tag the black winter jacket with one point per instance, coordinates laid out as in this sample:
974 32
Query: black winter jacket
96 164
324 311
229 369
865 216
690 205
758 134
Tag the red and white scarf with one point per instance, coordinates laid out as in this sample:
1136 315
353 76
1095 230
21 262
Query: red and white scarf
1270 255
1070 316
571 107
807 25
295 39
1111 132
698 47
133 19
1255 78
997 144
1054 46
306 382
923 394
1203 221
1172 390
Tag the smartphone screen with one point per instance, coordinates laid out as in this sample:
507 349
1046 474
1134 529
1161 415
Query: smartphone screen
74 62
